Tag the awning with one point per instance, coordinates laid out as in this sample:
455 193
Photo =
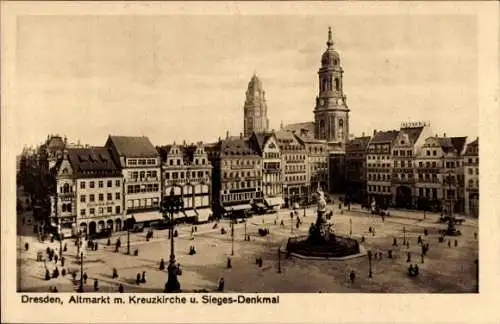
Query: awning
204 214
271 202
238 207
260 205
147 217
190 213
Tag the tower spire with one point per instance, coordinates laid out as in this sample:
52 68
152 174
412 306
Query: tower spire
329 43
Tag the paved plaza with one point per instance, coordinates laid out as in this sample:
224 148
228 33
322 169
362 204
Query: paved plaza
445 269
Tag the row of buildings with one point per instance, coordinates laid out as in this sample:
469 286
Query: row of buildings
414 168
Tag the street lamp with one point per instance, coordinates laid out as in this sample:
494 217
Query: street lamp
350 227
370 263
291 222
245 229
129 222
232 235
404 235
171 205
80 289
279 260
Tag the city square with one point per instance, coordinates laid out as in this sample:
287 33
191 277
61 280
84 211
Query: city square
444 269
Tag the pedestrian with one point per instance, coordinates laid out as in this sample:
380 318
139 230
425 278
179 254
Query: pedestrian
47 274
138 278
195 228
120 288
449 243
380 256
394 242
65 248
55 273
362 238
456 243
55 258
275 221
475 235
419 240
62 261
416 269
162 264
63 272
408 244
369 229
55 290
373 232
26 246
410 271
229 265
389 254
408 259
136 252
85 278
426 232
96 285
95 245
352 276
108 243
143 278
115 273
221 284
73 275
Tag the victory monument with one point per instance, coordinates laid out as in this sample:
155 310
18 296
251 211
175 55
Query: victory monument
322 241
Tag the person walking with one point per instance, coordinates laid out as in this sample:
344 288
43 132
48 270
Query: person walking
221 284
352 276
85 278
120 288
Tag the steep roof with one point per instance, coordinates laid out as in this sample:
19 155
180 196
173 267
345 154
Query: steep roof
92 162
452 143
260 139
298 127
237 146
358 143
472 148
413 132
384 136
133 146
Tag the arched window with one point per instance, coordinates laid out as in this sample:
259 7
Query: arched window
341 129
337 84
66 188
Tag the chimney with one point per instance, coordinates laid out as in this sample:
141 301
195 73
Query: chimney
241 135
363 134
219 139
444 134
184 143
227 134
374 132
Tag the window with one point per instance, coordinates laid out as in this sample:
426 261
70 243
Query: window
477 171
82 198
101 197
82 185
110 183
110 196
428 153
167 175
82 212
117 196
91 184
101 210
101 184
117 183
471 171
117 210
110 209
92 211
91 198
420 164
171 162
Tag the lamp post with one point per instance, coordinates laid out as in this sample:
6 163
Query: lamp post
60 238
232 235
291 222
404 235
350 226
129 222
370 263
279 260
80 289
171 205
245 229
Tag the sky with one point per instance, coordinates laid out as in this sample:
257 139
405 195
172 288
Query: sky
176 78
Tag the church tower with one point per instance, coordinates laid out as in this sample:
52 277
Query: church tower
331 114
255 109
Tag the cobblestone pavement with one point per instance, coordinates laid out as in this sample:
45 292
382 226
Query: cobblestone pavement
445 269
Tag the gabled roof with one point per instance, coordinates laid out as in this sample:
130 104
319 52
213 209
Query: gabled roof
452 143
259 140
92 162
237 146
298 127
470 148
358 143
413 132
133 146
384 137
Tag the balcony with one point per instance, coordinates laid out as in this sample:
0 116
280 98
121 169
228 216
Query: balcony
144 179
67 195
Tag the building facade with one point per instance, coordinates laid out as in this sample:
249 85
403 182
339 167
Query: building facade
331 113
409 140
272 179
89 192
379 167
439 173
471 178
255 108
294 168
140 165
355 169
187 172
237 176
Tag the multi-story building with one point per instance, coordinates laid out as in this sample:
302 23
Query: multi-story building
50 152
408 141
255 108
187 171
317 160
438 173
355 169
471 178
379 167
272 179
89 192
140 164
294 168
236 177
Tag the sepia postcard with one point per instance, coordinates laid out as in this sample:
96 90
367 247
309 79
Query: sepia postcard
249 162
